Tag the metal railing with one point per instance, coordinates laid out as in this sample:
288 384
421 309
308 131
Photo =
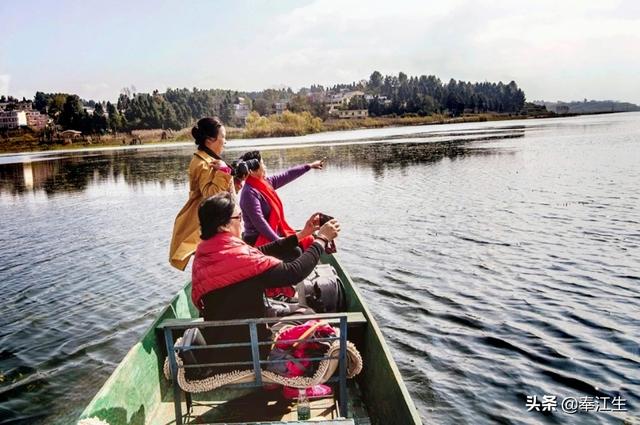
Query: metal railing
171 325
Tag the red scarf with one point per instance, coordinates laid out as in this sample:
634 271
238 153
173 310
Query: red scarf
223 260
276 218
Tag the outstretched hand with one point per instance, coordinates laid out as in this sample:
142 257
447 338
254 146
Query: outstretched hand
318 165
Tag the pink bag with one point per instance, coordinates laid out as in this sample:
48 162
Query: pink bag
293 341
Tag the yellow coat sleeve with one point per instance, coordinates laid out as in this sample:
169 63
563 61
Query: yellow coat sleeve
211 182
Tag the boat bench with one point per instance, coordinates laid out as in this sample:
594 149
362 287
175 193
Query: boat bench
354 319
172 326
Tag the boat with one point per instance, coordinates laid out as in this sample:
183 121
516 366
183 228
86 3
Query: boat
138 393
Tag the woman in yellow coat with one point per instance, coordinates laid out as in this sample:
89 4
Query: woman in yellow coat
208 175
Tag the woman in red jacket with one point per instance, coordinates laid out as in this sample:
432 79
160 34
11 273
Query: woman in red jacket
229 277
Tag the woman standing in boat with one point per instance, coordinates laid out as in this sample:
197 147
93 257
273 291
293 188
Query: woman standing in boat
208 175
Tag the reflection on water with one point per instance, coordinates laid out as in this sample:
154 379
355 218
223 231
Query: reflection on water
76 172
501 261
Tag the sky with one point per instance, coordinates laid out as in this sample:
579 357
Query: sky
554 49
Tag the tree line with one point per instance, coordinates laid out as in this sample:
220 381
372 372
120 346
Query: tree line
426 95
175 109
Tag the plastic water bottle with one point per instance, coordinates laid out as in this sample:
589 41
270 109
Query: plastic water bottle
304 408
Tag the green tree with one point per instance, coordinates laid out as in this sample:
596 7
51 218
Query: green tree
375 82
357 102
72 113
115 119
261 106
56 104
299 103
226 109
99 120
40 101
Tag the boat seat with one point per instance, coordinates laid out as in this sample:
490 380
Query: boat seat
348 365
354 319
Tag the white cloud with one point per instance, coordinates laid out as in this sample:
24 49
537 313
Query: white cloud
349 17
553 49
331 40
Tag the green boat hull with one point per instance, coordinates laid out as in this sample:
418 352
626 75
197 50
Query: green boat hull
136 391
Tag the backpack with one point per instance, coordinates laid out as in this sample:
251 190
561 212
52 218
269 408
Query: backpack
322 290
193 337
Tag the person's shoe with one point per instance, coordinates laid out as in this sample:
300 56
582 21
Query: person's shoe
285 299
316 391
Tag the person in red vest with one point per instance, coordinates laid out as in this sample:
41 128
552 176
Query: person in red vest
264 213
229 276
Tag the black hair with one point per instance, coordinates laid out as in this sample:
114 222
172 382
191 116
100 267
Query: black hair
215 211
205 128
251 155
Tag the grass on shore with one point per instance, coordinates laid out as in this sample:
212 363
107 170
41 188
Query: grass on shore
287 124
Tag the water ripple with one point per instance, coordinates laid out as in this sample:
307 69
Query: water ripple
500 261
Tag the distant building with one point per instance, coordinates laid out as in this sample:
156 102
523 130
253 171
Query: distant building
318 96
241 111
71 134
381 99
355 113
562 109
12 119
340 101
17 106
36 120
279 107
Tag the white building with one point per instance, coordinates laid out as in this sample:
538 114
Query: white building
354 113
341 100
279 107
381 99
12 119
241 111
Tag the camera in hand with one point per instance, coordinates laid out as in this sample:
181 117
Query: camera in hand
240 169
324 218
331 246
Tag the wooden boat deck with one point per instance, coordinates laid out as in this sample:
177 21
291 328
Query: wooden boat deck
260 407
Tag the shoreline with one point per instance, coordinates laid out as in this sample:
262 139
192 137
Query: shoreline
240 134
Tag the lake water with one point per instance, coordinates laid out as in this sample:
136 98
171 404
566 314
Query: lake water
502 261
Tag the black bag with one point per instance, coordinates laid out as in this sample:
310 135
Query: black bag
274 308
193 337
322 290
